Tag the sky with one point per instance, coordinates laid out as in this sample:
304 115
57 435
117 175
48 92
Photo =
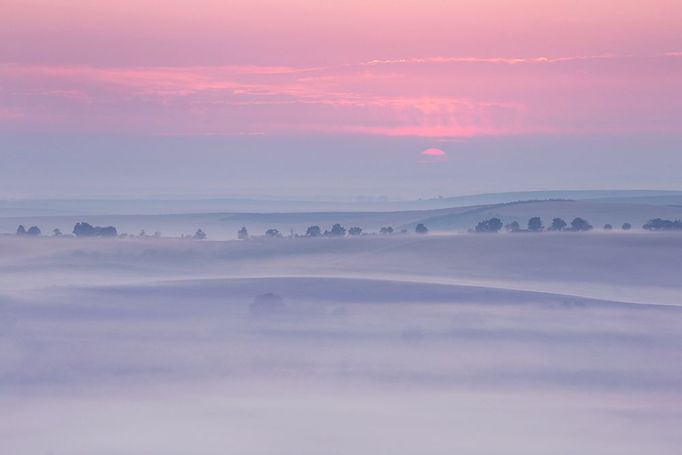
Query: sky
248 84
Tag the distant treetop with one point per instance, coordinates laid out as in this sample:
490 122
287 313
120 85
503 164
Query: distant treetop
83 229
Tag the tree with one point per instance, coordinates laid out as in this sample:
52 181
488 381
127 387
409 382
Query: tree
355 231
21 230
421 229
33 231
273 233
199 235
493 225
313 231
336 231
87 230
558 224
388 230
608 227
659 224
514 226
580 224
56 232
626 226
535 224
243 234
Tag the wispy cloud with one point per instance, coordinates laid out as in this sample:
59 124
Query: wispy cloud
492 60
403 96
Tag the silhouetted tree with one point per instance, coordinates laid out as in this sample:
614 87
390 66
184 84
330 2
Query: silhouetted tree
87 230
336 231
659 224
626 226
56 232
388 230
492 225
21 230
580 224
33 231
355 231
273 233
421 229
313 231
243 234
535 224
514 226
199 235
558 224
608 227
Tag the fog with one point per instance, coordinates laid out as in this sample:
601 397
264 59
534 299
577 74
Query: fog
481 344
87 166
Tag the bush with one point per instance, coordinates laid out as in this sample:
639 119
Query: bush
386 230
608 227
626 226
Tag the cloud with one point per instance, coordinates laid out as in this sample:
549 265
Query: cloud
392 97
492 60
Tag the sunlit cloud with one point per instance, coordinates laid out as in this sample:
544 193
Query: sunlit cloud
393 97
493 60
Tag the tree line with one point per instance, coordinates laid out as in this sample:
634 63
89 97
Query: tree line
491 225
83 229
578 224
336 230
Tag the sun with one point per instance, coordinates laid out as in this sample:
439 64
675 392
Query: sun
434 152
434 155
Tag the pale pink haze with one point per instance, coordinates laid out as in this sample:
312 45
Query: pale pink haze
437 69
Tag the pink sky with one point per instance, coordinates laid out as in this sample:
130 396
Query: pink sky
431 68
